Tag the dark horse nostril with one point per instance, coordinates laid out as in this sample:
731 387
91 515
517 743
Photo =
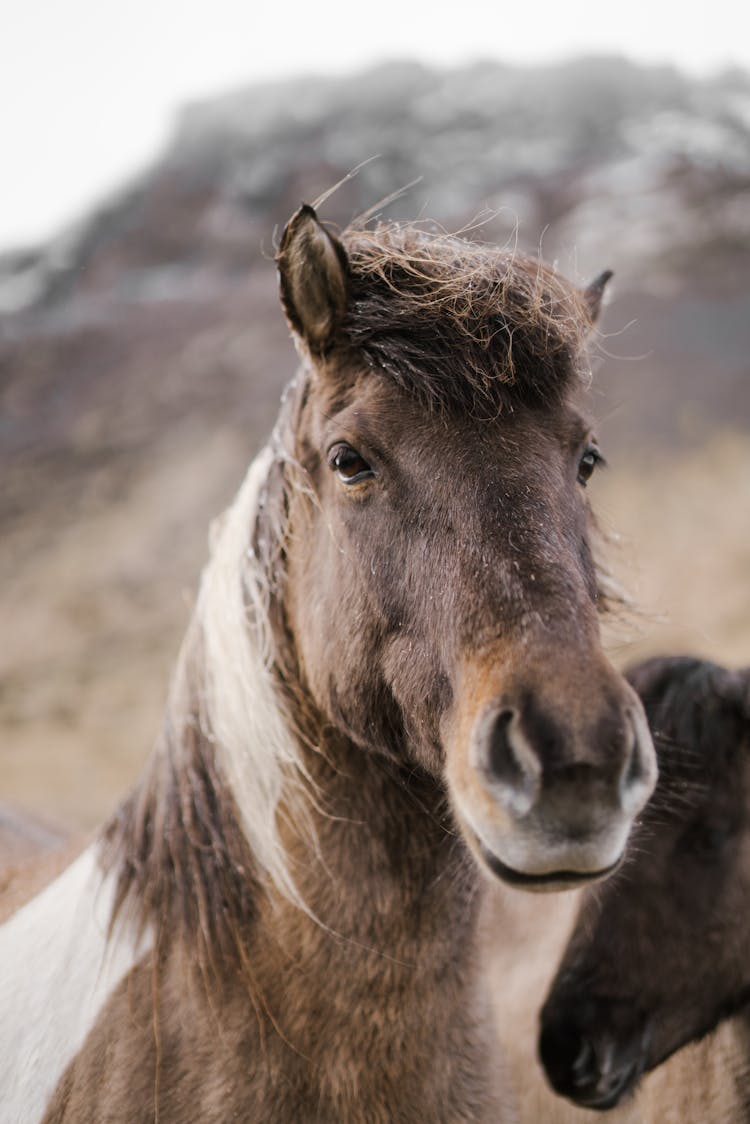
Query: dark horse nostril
584 1064
502 761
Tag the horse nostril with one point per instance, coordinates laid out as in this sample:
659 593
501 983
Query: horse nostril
569 1058
502 761
509 761
584 1068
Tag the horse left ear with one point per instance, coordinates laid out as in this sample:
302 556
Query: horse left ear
593 293
734 686
744 675
313 270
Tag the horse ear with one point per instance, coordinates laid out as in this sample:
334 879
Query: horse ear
734 686
313 269
744 675
593 293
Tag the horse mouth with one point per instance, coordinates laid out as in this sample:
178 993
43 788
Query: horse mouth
553 880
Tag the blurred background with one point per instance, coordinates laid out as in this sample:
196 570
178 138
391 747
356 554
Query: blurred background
149 159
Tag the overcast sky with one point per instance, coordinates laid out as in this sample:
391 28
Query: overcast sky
88 87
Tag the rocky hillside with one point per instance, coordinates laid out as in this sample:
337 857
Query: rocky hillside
142 354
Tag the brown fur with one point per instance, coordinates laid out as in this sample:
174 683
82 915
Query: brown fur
337 1018
367 1003
181 856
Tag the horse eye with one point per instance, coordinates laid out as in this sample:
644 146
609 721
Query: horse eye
588 462
348 465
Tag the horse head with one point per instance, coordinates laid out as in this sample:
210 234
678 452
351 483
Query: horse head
660 953
438 593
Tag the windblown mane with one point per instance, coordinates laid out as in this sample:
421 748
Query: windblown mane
201 829
461 325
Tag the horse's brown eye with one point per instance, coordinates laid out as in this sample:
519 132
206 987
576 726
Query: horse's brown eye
349 466
588 462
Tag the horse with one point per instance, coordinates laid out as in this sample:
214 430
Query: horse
659 955
392 692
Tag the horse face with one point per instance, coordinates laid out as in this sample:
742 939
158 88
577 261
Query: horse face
661 954
442 599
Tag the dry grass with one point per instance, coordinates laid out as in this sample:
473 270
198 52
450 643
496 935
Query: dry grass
684 523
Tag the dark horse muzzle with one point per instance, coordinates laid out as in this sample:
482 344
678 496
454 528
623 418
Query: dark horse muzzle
593 1050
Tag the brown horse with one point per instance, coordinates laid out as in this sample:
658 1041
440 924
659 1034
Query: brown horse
392 691
661 953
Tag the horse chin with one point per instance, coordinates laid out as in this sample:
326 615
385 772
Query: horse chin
548 882
544 881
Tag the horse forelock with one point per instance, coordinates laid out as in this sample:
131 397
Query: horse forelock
460 324
471 328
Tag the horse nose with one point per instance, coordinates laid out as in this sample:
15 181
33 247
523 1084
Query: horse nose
585 1069
568 1057
521 751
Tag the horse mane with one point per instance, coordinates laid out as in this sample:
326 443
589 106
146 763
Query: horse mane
202 830
463 326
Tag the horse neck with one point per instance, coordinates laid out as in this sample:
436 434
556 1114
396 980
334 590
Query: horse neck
379 944
389 946
376 864
380 863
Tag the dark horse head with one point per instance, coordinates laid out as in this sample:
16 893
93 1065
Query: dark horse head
661 952
440 600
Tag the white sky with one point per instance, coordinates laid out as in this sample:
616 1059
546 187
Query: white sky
88 87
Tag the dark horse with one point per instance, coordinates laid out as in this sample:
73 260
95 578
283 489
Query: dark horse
661 953
393 689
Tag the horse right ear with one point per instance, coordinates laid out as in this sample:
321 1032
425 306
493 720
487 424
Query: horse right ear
593 293
744 675
735 688
313 271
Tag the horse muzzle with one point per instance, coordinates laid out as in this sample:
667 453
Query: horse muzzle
592 1052
545 804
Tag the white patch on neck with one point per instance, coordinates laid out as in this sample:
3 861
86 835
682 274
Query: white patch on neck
57 970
